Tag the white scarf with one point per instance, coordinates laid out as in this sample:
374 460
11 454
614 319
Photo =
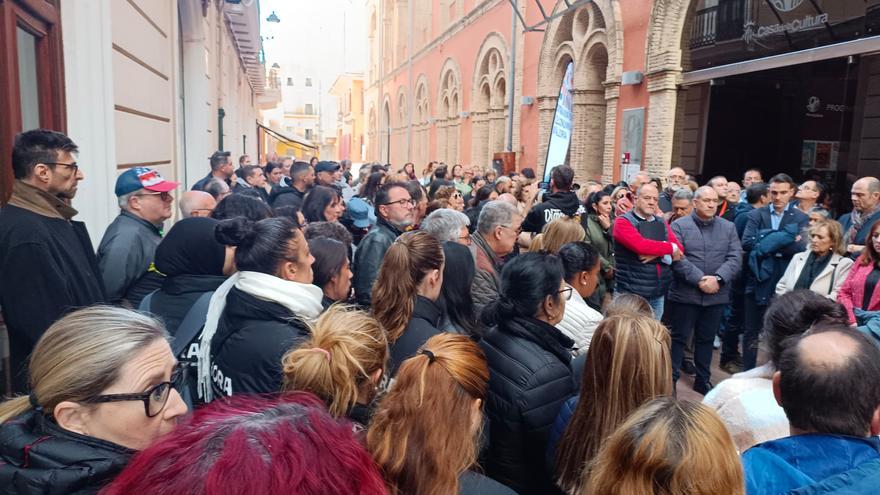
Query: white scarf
304 300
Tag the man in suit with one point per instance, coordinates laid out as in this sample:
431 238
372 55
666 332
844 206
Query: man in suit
772 236
865 195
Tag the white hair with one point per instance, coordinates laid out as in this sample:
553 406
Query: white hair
445 224
124 199
495 213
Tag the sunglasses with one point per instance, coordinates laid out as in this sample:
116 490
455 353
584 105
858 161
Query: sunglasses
154 399
164 196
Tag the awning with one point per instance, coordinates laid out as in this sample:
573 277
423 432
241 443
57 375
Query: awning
287 139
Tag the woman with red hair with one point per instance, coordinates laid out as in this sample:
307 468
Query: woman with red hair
255 445
862 287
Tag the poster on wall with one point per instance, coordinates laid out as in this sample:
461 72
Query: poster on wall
560 133
820 155
632 141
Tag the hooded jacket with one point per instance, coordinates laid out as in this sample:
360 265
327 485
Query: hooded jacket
555 205
286 196
529 379
421 327
813 464
39 457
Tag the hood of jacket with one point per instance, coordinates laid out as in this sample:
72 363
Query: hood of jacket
802 461
38 456
282 190
565 201
742 208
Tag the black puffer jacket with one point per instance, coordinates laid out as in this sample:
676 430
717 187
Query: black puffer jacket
368 258
421 327
252 337
39 457
556 205
529 379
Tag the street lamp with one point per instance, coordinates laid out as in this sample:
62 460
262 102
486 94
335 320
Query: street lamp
273 18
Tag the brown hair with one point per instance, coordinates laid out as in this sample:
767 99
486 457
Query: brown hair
629 303
869 254
423 435
444 193
345 347
519 190
670 447
560 232
628 364
410 257
835 232
82 354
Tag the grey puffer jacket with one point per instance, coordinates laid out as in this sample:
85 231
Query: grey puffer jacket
368 258
711 247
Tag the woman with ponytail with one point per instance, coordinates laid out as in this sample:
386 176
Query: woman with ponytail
529 359
406 292
341 362
103 386
424 435
261 311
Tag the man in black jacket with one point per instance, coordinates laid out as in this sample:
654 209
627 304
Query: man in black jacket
561 202
221 169
302 177
47 265
394 211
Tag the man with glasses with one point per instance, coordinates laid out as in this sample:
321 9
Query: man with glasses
127 251
772 236
676 179
498 227
47 263
394 213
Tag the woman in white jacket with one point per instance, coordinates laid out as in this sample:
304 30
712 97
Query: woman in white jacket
823 267
581 263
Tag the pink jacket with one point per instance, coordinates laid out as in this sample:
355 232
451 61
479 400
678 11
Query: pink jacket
852 292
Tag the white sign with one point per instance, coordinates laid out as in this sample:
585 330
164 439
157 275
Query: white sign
560 133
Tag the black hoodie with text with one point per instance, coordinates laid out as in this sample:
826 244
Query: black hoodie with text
555 205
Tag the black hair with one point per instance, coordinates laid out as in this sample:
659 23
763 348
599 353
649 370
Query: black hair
437 184
330 256
332 230
377 167
577 257
316 201
270 167
384 194
440 172
414 189
38 146
286 211
458 276
793 313
249 170
241 205
837 398
371 186
594 198
562 177
214 187
219 159
783 179
298 168
482 194
528 173
260 246
755 192
526 281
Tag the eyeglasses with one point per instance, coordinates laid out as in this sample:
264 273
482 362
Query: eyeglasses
457 195
154 399
72 166
518 230
402 202
466 239
164 196
566 293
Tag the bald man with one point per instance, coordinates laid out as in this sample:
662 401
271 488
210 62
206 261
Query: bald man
196 204
676 178
865 196
826 382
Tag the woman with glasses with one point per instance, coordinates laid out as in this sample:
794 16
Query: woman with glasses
450 197
103 386
530 374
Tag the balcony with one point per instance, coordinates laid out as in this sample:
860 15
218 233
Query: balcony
720 23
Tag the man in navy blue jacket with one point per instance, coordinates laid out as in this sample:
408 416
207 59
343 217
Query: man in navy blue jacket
761 221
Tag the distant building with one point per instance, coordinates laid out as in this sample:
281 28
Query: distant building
349 92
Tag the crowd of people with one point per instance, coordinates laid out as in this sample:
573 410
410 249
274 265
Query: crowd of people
309 328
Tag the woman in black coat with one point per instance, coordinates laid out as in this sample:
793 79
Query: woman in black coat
530 374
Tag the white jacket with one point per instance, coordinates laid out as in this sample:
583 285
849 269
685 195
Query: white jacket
579 321
826 283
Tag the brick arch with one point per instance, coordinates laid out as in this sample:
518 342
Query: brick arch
421 121
448 112
372 132
384 129
400 151
489 105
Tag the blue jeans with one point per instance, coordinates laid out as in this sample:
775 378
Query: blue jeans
656 305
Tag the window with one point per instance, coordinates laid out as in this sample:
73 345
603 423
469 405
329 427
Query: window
290 81
308 134
310 109
308 82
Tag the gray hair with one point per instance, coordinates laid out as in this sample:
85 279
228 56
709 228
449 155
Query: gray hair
445 224
701 191
683 193
495 213
124 199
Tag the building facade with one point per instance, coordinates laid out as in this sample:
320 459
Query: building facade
349 92
159 83
714 86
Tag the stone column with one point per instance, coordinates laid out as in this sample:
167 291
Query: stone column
660 134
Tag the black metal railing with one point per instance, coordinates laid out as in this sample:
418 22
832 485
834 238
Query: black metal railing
722 22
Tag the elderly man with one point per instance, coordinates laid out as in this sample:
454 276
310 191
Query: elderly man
676 179
701 284
826 382
128 247
217 189
865 195
682 205
447 225
645 247
498 227
725 210
394 212
196 204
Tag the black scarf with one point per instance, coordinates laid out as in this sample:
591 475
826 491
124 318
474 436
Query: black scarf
812 268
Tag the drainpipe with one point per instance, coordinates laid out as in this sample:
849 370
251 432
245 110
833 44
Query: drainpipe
512 84
220 114
409 112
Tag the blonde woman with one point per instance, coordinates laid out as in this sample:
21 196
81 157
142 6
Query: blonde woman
556 234
341 362
668 447
104 385
627 365
823 267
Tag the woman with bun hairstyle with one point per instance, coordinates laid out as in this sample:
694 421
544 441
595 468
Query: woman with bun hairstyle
341 362
424 435
258 313
529 359
406 291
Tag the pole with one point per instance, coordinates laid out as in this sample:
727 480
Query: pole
512 83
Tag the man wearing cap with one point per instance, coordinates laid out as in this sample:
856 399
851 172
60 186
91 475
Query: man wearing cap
47 263
328 174
221 168
126 252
